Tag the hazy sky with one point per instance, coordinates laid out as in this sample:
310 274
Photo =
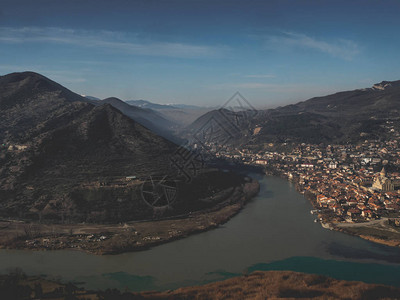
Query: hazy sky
201 52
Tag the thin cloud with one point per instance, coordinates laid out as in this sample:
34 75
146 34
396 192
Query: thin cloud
260 76
341 48
248 85
274 87
254 85
109 40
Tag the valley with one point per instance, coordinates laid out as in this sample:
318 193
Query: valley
199 149
104 177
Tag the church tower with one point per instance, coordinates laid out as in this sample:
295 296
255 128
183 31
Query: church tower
382 174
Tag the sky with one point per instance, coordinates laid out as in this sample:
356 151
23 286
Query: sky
202 52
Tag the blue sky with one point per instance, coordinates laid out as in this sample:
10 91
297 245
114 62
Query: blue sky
202 52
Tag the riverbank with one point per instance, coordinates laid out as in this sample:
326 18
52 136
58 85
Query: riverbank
118 238
249 241
257 285
377 231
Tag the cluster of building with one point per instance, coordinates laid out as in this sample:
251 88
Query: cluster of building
13 147
65 241
350 181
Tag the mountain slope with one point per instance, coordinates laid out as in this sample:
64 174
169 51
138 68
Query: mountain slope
147 117
63 158
383 99
28 99
54 142
342 117
17 88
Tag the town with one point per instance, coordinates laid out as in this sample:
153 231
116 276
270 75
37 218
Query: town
345 183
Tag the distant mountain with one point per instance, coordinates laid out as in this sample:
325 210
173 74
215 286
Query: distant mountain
148 104
63 158
151 105
189 106
179 114
91 97
149 118
183 116
343 117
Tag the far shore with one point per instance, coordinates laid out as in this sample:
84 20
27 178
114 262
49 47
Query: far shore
118 238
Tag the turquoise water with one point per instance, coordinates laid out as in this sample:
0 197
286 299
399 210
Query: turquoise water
367 272
275 231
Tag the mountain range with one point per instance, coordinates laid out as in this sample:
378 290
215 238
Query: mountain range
55 140
151 105
64 158
163 118
149 118
180 114
342 117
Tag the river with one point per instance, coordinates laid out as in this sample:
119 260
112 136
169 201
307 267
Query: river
274 231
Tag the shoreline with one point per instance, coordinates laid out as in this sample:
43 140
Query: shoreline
132 236
327 224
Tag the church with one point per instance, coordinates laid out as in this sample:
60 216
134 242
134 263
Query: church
384 184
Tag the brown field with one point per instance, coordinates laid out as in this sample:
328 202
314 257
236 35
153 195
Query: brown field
282 285
257 285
